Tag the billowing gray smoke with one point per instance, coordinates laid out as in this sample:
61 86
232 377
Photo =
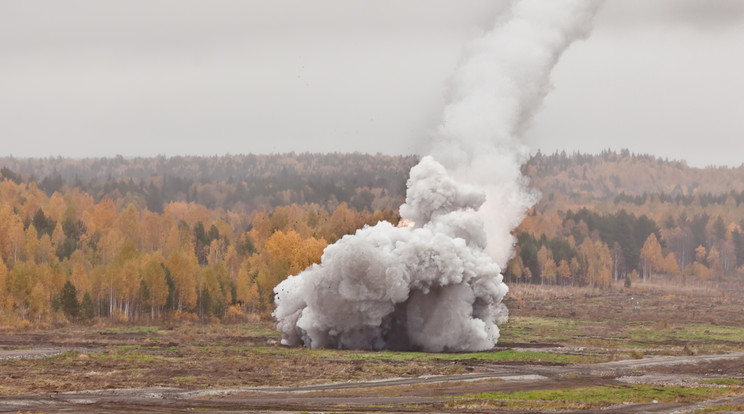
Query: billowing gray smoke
431 287
436 286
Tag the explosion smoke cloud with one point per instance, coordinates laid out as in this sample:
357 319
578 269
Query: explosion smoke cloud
437 286
431 287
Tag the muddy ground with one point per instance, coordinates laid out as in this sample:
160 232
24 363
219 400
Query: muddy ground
241 368
658 301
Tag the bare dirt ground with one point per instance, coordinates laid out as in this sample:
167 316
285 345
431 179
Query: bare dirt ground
663 336
426 393
656 301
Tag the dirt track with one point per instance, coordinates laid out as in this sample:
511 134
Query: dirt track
391 395
236 368
32 353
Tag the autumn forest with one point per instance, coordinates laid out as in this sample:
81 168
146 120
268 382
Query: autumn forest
208 238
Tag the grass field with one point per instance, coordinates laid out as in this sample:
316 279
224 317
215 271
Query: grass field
549 327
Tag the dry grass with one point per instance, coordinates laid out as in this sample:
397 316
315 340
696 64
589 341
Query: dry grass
659 305
595 325
202 356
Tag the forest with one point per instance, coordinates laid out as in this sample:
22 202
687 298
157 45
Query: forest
208 238
633 216
232 182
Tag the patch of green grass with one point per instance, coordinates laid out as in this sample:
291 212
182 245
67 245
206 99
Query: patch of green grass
141 358
260 329
729 408
693 332
597 396
639 393
278 350
64 357
13 348
508 355
723 381
126 355
185 379
145 329
708 338
124 348
366 408
538 329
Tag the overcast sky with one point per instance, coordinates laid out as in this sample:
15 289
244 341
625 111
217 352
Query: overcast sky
93 78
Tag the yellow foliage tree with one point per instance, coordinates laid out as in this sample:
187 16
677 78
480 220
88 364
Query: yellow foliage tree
670 265
212 287
298 253
284 254
700 254
700 271
343 221
3 284
603 278
183 266
56 207
575 267
45 252
261 224
544 255
154 231
232 261
217 250
17 236
30 243
714 263
128 224
80 279
247 289
34 199
102 218
550 272
58 236
153 275
21 280
110 244
598 261
516 266
651 256
38 300
564 271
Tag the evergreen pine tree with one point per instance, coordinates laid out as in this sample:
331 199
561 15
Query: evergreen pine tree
70 305
87 310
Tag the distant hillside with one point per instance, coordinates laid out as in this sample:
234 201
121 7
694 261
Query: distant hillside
610 179
585 177
612 215
253 181
317 178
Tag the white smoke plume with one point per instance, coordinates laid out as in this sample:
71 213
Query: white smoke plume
496 91
437 286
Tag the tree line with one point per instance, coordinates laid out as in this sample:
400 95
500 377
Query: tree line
67 256
230 182
654 216
591 248
209 237
609 173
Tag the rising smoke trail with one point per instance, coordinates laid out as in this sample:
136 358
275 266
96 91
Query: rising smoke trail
437 286
501 84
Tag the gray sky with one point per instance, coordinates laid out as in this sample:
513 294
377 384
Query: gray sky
92 78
